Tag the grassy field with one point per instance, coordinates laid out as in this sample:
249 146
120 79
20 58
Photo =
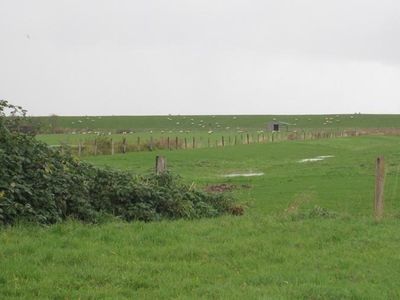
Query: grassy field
308 232
216 123
206 130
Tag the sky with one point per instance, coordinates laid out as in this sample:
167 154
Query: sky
157 57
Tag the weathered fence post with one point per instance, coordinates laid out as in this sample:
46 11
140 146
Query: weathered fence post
124 145
235 142
379 188
223 141
194 143
208 143
112 147
138 143
95 147
79 149
248 138
161 165
168 144
176 142
229 140
185 143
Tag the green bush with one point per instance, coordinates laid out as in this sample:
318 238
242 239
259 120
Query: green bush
42 185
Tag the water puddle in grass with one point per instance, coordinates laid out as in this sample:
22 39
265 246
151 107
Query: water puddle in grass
243 174
318 158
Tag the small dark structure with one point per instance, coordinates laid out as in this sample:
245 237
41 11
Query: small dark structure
277 125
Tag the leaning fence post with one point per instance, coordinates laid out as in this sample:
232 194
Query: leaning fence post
161 165
379 188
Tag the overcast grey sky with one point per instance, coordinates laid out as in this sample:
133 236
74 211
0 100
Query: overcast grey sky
131 57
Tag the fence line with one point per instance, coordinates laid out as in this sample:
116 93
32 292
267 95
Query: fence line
105 146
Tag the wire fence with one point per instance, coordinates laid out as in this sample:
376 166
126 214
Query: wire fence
104 145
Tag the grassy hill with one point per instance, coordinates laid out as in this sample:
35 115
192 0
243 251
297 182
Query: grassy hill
221 123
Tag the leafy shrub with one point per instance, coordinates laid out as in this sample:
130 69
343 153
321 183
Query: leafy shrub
42 185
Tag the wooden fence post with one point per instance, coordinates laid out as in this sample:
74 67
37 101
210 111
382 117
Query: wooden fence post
112 147
379 188
248 139
151 143
161 165
79 149
95 147
185 143
223 141
176 142
194 143
124 145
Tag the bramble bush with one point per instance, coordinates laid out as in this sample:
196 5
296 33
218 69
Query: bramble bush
42 185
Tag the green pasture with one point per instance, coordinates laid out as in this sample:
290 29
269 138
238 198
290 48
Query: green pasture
344 182
307 233
230 123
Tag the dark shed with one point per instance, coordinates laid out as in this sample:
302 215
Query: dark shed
276 126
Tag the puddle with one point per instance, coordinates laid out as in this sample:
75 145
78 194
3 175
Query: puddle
243 174
318 158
